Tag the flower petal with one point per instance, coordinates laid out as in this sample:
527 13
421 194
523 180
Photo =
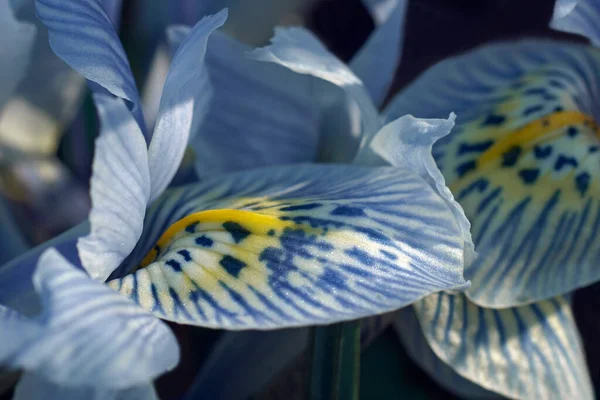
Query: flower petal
579 17
523 163
301 52
295 245
16 42
183 104
376 61
12 242
33 387
120 190
528 352
84 37
261 114
91 336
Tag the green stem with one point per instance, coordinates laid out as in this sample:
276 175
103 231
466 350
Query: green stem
335 362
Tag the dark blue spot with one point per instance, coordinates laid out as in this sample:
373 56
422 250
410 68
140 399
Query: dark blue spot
563 161
558 109
556 84
532 109
582 182
237 232
542 152
529 176
474 147
348 211
232 265
185 254
465 167
308 206
204 241
191 228
510 157
535 91
593 149
493 120
175 265
271 232
572 131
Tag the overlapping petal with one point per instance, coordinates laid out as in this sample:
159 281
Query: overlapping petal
522 161
295 245
579 17
525 352
87 335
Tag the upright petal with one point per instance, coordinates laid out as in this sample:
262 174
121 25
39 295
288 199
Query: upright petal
522 161
183 104
295 245
298 50
578 16
84 37
88 335
528 352
120 190
376 61
16 44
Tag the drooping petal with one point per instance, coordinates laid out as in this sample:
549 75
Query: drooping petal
84 37
527 352
120 190
183 104
16 44
261 114
33 387
295 245
579 17
376 61
522 161
88 335
301 52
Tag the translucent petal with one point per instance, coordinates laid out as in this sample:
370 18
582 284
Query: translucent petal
183 104
522 161
298 50
12 242
527 352
84 37
33 387
295 245
376 61
88 335
120 190
579 17
16 43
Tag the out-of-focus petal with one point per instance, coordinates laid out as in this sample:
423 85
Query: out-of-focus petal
376 61
301 52
16 44
120 190
527 352
88 335
84 37
12 242
295 245
33 387
579 17
523 162
183 104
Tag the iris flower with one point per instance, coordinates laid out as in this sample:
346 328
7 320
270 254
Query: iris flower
265 248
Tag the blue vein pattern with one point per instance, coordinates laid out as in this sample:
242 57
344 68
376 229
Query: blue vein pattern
578 16
523 162
528 352
295 245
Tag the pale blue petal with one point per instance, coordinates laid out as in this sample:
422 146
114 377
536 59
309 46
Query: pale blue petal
15 330
84 37
120 190
89 335
527 352
262 114
113 9
301 52
16 44
409 331
295 245
522 161
578 16
376 61
33 387
12 242
183 104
